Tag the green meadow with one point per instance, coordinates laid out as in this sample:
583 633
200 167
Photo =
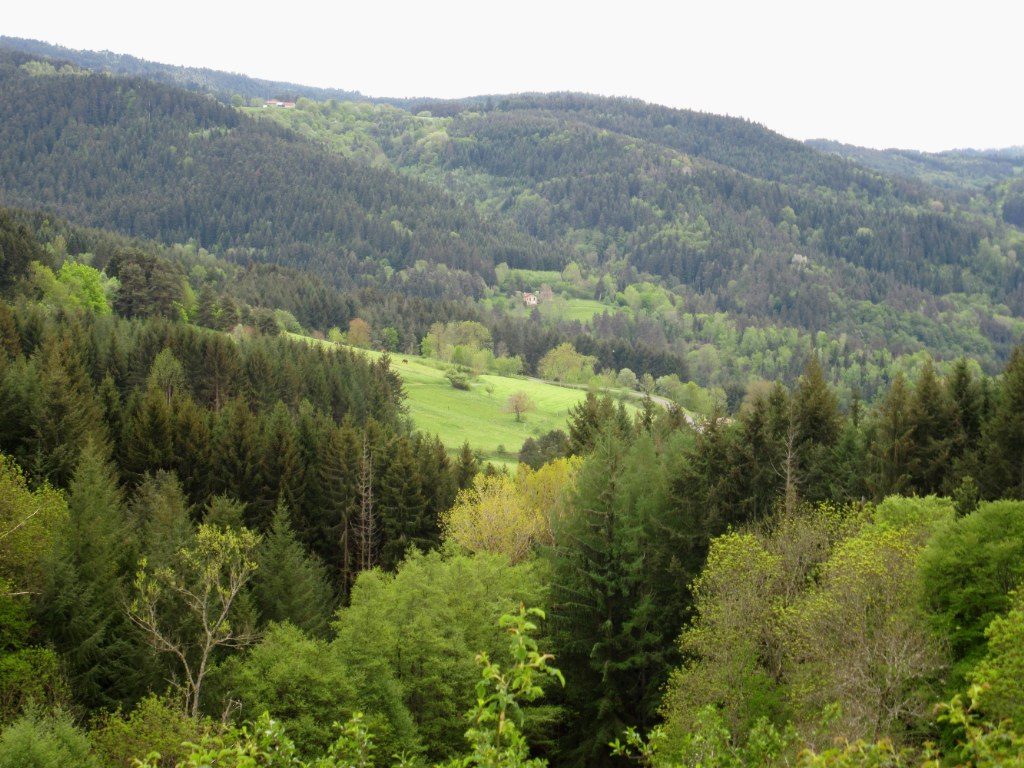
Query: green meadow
478 415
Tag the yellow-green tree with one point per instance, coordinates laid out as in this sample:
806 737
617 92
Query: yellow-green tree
186 609
511 516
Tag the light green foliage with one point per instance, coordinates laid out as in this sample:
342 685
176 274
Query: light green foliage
154 725
496 721
286 321
495 732
979 744
467 343
185 608
445 340
299 681
360 130
87 287
820 610
75 286
968 570
29 523
999 676
409 638
858 638
45 741
263 743
166 375
627 379
925 514
47 69
733 645
710 744
645 296
690 395
862 754
511 516
29 675
564 363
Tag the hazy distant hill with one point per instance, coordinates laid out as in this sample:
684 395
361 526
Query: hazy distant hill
221 84
955 169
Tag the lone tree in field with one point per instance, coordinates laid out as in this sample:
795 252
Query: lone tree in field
519 404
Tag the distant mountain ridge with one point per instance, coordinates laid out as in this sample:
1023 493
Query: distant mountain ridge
952 169
221 84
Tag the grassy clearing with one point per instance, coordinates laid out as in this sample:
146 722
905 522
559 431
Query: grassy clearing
582 310
478 415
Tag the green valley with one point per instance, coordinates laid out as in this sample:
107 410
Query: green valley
519 430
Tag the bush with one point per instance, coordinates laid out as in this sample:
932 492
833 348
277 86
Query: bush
155 725
1000 675
458 379
627 379
536 452
297 680
52 741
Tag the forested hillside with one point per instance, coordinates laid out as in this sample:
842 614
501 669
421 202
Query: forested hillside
223 84
972 170
714 250
154 161
220 543
225 543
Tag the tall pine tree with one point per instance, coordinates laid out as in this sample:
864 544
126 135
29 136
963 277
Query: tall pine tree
83 605
602 614
290 584
1004 434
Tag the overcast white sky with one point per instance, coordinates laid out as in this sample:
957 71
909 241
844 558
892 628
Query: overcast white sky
897 73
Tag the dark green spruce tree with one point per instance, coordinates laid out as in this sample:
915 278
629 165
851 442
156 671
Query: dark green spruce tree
291 584
1004 434
969 406
402 508
466 467
84 604
66 413
934 419
891 443
817 424
603 614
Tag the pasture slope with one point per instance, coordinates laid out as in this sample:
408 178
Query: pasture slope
478 416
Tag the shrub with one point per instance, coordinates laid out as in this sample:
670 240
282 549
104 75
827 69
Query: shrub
458 379
51 741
